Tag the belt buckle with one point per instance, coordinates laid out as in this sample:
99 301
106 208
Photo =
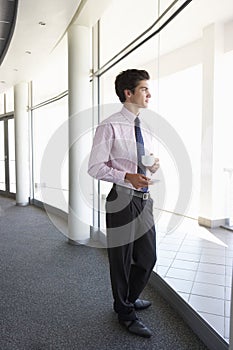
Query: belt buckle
145 196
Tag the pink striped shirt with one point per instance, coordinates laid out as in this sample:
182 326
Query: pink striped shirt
114 151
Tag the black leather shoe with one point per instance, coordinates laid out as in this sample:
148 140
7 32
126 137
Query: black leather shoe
137 327
140 304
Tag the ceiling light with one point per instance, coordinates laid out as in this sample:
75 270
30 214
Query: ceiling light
28 52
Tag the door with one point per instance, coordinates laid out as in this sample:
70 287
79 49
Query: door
7 156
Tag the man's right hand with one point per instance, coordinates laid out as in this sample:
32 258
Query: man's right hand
137 180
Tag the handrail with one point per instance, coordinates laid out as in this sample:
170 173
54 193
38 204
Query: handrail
51 100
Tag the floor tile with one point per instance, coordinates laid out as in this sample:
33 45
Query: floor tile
214 251
179 285
229 261
228 281
212 268
188 275
207 256
227 308
208 290
209 305
185 296
211 278
227 328
166 254
229 270
164 261
161 270
187 265
227 293
168 247
219 260
188 257
217 322
190 249
229 253
193 242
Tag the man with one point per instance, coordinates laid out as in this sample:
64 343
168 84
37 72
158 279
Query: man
118 145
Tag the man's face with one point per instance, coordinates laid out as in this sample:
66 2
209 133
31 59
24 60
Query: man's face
141 95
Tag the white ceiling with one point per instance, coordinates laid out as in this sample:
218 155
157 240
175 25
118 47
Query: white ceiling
40 40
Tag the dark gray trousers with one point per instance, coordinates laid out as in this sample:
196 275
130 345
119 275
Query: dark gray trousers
131 240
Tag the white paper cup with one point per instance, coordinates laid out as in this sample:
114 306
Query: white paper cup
148 160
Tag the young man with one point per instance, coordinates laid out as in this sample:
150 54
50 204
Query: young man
118 145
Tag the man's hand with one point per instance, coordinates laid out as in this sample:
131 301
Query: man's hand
137 180
154 167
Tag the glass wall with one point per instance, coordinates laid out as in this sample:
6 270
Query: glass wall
176 95
135 18
196 262
46 122
2 157
7 155
10 100
2 108
49 114
11 147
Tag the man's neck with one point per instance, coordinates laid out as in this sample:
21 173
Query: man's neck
132 108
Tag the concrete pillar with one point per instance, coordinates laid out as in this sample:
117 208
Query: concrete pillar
79 122
22 144
212 202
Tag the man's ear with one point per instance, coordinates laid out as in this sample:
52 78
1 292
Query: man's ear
127 93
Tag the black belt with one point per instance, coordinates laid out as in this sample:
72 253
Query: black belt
142 195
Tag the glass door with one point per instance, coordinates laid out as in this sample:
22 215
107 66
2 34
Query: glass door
2 157
7 156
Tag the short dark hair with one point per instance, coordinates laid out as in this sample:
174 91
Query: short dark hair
129 80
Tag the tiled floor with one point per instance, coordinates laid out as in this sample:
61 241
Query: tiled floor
197 263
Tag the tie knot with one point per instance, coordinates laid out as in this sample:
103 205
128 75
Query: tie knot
137 121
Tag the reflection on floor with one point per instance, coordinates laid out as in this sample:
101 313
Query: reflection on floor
197 263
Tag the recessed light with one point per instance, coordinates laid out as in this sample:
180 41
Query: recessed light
41 23
28 52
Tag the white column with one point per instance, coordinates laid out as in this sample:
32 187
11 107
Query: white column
80 121
22 144
212 202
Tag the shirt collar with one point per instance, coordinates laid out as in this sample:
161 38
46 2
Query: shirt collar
128 115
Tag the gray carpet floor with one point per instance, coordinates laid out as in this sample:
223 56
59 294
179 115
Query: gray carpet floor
56 296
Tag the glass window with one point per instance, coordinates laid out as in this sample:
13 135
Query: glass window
226 121
2 157
122 22
46 122
11 145
53 80
180 104
191 258
10 100
2 103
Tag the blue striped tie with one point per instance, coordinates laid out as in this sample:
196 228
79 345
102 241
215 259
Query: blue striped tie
140 149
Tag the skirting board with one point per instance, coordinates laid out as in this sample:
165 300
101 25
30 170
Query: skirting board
200 327
229 228
211 223
52 210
